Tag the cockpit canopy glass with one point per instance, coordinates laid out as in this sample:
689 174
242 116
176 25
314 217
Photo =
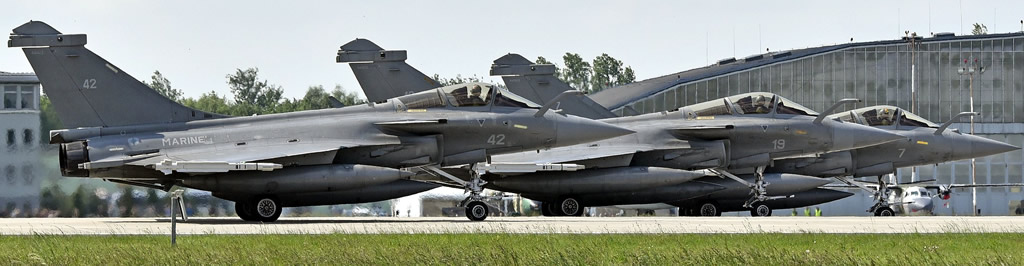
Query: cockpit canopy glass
789 107
472 94
422 100
751 103
465 95
754 103
509 99
910 119
885 116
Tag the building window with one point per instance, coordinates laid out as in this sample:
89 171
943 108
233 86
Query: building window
28 96
28 136
9 173
10 138
10 97
28 175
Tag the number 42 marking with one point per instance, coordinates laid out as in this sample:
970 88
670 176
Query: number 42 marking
496 139
89 84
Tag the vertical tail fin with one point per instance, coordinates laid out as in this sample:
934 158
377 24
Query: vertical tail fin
538 83
88 91
383 74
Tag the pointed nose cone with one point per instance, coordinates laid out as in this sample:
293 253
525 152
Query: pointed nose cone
786 184
981 147
848 136
821 196
574 130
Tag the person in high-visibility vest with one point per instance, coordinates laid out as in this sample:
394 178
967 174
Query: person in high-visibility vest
807 211
794 211
817 211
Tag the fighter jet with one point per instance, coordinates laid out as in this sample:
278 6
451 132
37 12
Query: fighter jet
123 131
926 143
743 131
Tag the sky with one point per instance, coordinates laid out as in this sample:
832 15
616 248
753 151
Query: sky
196 44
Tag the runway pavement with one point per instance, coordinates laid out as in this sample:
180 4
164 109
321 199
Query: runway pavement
523 225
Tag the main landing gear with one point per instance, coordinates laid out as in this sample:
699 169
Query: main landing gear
758 191
882 206
476 208
259 209
566 207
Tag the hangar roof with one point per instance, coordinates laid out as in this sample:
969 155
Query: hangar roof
614 98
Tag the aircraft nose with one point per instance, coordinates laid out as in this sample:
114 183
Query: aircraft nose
922 204
785 184
575 130
848 136
981 147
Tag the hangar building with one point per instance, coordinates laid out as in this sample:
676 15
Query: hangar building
879 73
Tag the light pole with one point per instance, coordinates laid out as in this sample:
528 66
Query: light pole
913 93
970 68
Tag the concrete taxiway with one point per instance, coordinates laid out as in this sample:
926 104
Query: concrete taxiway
524 225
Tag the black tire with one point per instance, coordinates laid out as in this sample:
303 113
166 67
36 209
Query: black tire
265 209
761 210
545 209
477 211
885 211
709 208
243 211
570 207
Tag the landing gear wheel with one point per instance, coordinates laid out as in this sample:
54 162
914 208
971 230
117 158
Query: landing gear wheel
545 209
761 210
570 207
265 209
476 211
549 209
709 209
244 211
885 211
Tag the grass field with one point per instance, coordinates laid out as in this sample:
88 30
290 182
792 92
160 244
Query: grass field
518 249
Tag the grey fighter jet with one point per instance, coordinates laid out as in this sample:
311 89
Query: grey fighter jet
125 132
654 165
926 143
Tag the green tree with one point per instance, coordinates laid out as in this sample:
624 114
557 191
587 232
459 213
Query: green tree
54 198
458 79
85 202
48 119
346 98
248 89
577 72
607 70
126 202
153 199
315 98
210 102
979 29
542 60
627 76
162 85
